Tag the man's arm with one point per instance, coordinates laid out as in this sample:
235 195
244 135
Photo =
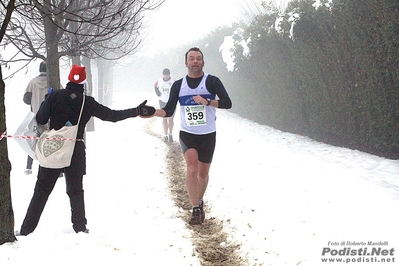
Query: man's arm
170 106
160 113
43 114
27 97
156 88
215 86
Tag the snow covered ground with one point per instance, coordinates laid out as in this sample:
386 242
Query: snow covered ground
282 197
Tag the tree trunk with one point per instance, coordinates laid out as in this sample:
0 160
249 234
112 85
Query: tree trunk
53 64
6 210
105 81
108 83
76 60
89 88
100 85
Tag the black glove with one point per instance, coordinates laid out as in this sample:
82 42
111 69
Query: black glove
145 110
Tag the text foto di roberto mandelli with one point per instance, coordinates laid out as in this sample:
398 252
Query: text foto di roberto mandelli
354 243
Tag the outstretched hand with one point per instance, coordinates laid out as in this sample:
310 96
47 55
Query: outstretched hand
145 110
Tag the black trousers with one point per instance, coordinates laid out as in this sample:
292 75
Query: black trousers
45 183
29 163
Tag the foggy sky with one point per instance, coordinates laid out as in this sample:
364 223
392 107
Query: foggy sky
178 22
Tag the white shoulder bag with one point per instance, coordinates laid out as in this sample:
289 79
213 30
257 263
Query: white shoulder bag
54 148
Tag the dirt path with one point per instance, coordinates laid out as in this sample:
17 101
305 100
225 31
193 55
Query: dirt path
206 238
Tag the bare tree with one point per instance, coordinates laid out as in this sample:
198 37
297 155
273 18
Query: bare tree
6 210
51 29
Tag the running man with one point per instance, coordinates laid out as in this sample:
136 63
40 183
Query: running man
199 94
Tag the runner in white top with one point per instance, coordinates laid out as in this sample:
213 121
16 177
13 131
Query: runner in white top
162 89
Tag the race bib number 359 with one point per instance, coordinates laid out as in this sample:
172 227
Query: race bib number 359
195 115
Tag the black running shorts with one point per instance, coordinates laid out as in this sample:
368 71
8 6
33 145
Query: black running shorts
203 144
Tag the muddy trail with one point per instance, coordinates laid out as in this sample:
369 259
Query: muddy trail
208 237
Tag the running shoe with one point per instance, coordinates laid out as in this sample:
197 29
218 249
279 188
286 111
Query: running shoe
201 206
28 172
196 218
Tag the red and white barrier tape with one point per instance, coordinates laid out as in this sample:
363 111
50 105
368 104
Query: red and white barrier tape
4 135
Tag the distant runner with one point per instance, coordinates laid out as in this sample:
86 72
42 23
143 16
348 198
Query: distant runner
162 89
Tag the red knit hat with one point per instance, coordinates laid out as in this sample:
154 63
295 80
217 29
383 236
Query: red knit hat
77 74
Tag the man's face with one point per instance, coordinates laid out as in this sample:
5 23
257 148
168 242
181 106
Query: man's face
194 62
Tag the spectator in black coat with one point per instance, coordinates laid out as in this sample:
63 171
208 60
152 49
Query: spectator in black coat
60 107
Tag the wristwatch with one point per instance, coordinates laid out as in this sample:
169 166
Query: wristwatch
208 102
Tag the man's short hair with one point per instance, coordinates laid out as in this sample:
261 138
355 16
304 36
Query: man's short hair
42 67
166 71
196 49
